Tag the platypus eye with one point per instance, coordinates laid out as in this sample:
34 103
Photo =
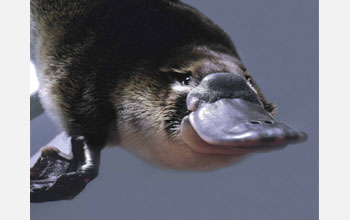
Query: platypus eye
183 78
186 81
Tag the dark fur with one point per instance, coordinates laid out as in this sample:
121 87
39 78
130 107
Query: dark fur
117 72
92 47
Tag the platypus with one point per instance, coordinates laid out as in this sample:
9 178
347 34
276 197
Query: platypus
155 77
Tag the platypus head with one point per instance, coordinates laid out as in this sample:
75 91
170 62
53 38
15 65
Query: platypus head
198 111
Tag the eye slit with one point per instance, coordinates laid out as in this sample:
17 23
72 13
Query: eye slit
186 81
183 78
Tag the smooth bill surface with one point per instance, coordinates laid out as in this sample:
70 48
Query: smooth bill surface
229 125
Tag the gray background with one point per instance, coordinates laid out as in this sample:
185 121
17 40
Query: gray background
278 42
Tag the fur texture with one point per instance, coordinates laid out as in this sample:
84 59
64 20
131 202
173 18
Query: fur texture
116 72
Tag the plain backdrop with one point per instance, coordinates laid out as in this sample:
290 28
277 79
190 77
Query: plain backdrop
278 42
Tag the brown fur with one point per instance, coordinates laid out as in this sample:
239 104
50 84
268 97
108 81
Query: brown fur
111 71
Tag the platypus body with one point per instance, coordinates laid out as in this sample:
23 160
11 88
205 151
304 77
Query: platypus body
155 77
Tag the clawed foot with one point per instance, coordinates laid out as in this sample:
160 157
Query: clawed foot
57 176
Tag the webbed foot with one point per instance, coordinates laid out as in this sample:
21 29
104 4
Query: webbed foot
57 176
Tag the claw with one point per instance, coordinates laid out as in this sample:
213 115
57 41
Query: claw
57 176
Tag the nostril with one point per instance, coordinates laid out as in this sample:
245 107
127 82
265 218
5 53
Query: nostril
255 122
268 122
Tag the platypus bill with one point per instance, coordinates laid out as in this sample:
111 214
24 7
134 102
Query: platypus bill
155 77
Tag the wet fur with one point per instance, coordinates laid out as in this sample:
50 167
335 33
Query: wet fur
111 71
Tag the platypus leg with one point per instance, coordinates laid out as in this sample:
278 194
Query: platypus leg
57 176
